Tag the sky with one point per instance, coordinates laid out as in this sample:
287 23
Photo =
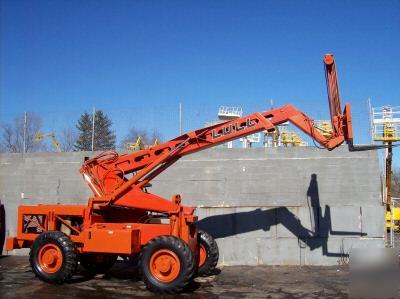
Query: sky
137 60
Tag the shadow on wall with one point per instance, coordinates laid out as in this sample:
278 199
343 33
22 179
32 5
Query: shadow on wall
2 227
226 225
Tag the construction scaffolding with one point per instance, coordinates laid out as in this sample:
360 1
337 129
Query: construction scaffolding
385 126
229 113
324 126
291 138
283 136
139 144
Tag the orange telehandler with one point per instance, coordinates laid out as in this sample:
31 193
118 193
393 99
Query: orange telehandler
123 219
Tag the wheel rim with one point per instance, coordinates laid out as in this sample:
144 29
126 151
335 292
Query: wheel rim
165 265
202 255
50 258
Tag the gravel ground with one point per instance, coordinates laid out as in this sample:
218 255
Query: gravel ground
122 281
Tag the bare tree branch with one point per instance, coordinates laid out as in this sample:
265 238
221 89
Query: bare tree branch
68 139
12 137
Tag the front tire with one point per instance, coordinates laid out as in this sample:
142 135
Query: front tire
209 254
167 265
53 257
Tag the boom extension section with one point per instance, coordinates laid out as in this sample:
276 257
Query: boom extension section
107 173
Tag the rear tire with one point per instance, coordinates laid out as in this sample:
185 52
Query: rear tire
209 254
167 265
53 257
97 263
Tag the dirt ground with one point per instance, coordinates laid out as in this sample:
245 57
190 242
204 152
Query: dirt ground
122 281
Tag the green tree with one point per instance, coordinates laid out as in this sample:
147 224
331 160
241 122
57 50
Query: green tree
104 137
84 126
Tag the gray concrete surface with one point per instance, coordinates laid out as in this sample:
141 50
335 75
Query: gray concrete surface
122 281
279 206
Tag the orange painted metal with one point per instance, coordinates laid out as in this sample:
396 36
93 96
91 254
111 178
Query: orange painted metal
50 258
122 216
111 240
165 265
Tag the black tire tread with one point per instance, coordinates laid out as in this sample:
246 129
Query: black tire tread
69 256
190 261
211 262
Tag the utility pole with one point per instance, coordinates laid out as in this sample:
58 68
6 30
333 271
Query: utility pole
25 133
94 116
180 118
370 118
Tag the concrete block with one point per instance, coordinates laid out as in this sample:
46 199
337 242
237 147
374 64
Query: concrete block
324 251
280 251
372 221
344 220
255 223
219 222
335 250
297 222
241 222
363 242
238 251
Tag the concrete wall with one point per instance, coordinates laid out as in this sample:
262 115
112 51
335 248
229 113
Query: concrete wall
264 206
